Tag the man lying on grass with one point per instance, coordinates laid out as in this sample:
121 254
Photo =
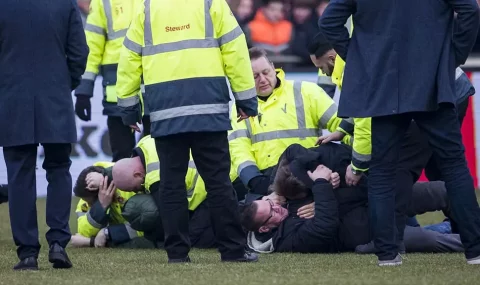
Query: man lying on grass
340 222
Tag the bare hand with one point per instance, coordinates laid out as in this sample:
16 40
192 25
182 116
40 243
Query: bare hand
335 180
322 172
307 211
274 197
101 239
78 240
242 116
332 137
106 193
94 180
135 128
350 178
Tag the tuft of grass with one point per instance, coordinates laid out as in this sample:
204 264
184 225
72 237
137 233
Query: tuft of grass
124 266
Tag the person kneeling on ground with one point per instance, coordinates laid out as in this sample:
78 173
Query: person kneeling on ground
99 212
340 221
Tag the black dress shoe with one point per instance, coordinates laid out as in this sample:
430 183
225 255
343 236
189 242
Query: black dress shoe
58 257
370 248
29 263
179 260
247 257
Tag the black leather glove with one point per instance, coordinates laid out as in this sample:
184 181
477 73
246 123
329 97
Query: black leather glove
83 108
259 185
250 108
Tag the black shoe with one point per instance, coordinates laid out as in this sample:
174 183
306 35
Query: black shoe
29 263
247 257
58 257
369 248
179 260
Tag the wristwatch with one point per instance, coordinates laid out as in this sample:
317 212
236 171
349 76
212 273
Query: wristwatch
106 233
356 172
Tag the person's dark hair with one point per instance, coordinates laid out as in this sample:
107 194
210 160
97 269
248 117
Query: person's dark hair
80 188
286 184
319 45
266 2
247 218
256 53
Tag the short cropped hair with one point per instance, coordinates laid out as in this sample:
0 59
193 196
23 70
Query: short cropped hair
319 45
247 218
286 184
80 188
256 53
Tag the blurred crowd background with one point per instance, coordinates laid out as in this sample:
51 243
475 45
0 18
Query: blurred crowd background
282 27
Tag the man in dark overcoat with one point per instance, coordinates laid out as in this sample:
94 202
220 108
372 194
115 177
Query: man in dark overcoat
401 62
43 54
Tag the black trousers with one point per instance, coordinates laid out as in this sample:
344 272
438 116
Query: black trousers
443 131
22 195
122 138
211 155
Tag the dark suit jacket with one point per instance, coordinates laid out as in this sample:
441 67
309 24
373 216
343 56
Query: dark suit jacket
402 55
43 54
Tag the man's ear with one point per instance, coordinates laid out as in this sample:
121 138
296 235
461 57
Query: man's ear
138 174
264 229
331 58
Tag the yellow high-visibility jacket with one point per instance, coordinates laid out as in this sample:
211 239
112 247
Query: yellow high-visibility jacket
358 128
105 30
196 192
296 112
92 218
185 50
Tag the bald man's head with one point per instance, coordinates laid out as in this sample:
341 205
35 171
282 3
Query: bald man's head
129 174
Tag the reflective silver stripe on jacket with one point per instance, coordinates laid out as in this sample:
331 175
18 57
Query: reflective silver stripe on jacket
131 232
329 113
244 165
238 134
111 34
361 157
81 214
324 80
153 166
95 29
208 42
245 95
92 222
89 76
191 189
301 132
297 94
202 109
285 134
129 101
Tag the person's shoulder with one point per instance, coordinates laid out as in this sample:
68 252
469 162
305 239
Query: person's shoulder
312 90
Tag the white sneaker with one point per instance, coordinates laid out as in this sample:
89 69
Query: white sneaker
473 261
393 262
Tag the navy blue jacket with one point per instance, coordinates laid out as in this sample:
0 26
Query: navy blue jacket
43 54
402 55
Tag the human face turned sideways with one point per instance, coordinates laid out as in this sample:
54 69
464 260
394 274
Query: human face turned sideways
325 63
265 76
271 215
